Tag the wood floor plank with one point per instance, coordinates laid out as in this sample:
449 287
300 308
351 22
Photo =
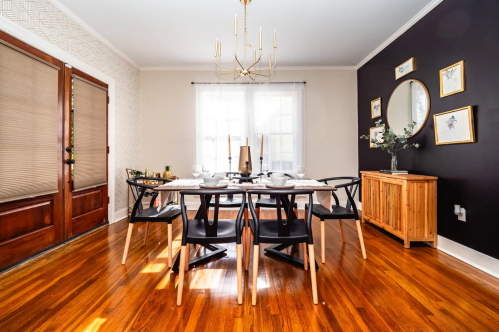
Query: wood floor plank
82 286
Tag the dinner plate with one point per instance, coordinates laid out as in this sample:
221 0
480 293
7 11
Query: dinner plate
286 186
218 186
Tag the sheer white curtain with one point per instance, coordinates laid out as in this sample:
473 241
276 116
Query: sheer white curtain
250 110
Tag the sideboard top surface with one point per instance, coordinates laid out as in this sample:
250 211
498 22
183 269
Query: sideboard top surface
406 177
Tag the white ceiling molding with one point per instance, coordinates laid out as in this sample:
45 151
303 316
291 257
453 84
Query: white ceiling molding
85 26
211 68
429 7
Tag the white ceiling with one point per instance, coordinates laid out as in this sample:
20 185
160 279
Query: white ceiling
159 33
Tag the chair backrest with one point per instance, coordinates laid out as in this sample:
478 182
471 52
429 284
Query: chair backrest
286 197
140 190
211 226
350 188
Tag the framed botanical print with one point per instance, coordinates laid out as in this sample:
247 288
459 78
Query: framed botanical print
454 126
376 108
405 68
376 134
452 79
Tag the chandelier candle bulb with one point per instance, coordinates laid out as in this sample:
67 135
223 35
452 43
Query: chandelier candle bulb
260 37
275 40
235 24
229 147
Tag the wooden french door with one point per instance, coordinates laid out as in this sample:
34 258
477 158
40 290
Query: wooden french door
29 225
85 208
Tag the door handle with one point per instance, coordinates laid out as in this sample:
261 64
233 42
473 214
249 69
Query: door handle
70 161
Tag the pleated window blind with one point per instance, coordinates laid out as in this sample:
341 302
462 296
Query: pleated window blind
29 125
90 143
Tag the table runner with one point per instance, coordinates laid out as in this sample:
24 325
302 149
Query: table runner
323 197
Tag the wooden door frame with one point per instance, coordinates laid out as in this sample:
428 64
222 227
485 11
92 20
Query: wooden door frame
40 239
68 213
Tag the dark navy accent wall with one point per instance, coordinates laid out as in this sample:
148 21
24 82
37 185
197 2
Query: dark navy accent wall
468 174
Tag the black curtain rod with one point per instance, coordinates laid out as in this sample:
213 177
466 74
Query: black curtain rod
250 83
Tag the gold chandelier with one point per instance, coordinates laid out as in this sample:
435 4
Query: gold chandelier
239 69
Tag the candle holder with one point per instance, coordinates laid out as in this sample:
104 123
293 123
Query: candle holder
247 169
230 168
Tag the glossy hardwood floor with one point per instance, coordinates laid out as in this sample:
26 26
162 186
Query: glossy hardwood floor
83 287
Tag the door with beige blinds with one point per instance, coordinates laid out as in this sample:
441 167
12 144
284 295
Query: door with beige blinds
86 151
31 135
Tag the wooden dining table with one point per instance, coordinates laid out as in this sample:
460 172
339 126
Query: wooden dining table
217 251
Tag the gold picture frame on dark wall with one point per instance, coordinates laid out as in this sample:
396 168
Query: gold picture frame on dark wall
376 108
405 68
452 79
376 134
454 127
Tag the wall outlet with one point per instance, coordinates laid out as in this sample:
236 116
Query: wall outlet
462 215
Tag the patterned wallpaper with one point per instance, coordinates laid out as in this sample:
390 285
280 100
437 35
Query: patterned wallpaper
48 22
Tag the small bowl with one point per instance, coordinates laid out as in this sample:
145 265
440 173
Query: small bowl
211 181
279 175
278 181
221 176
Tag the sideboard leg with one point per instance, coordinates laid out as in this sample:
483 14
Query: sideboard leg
407 244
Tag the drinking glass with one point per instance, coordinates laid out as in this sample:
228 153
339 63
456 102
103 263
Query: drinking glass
301 172
265 169
206 170
196 170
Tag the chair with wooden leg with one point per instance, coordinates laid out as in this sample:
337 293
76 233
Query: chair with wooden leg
289 230
227 202
207 231
339 212
270 203
151 214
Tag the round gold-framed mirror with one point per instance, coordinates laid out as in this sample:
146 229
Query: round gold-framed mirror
409 102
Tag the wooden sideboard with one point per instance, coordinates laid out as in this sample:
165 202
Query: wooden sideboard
404 205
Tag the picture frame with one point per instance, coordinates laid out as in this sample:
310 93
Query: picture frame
405 68
454 127
452 79
374 132
376 108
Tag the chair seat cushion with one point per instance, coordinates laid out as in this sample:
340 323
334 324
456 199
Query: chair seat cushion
339 212
151 214
268 202
226 232
269 232
226 202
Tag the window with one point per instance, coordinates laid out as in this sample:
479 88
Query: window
249 110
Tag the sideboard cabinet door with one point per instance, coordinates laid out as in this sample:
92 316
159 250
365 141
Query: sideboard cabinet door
391 207
371 199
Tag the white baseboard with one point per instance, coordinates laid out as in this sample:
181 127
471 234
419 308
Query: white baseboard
121 214
470 256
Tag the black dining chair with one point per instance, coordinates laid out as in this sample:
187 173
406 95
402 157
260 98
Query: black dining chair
206 231
339 212
228 202
150 214
289 230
